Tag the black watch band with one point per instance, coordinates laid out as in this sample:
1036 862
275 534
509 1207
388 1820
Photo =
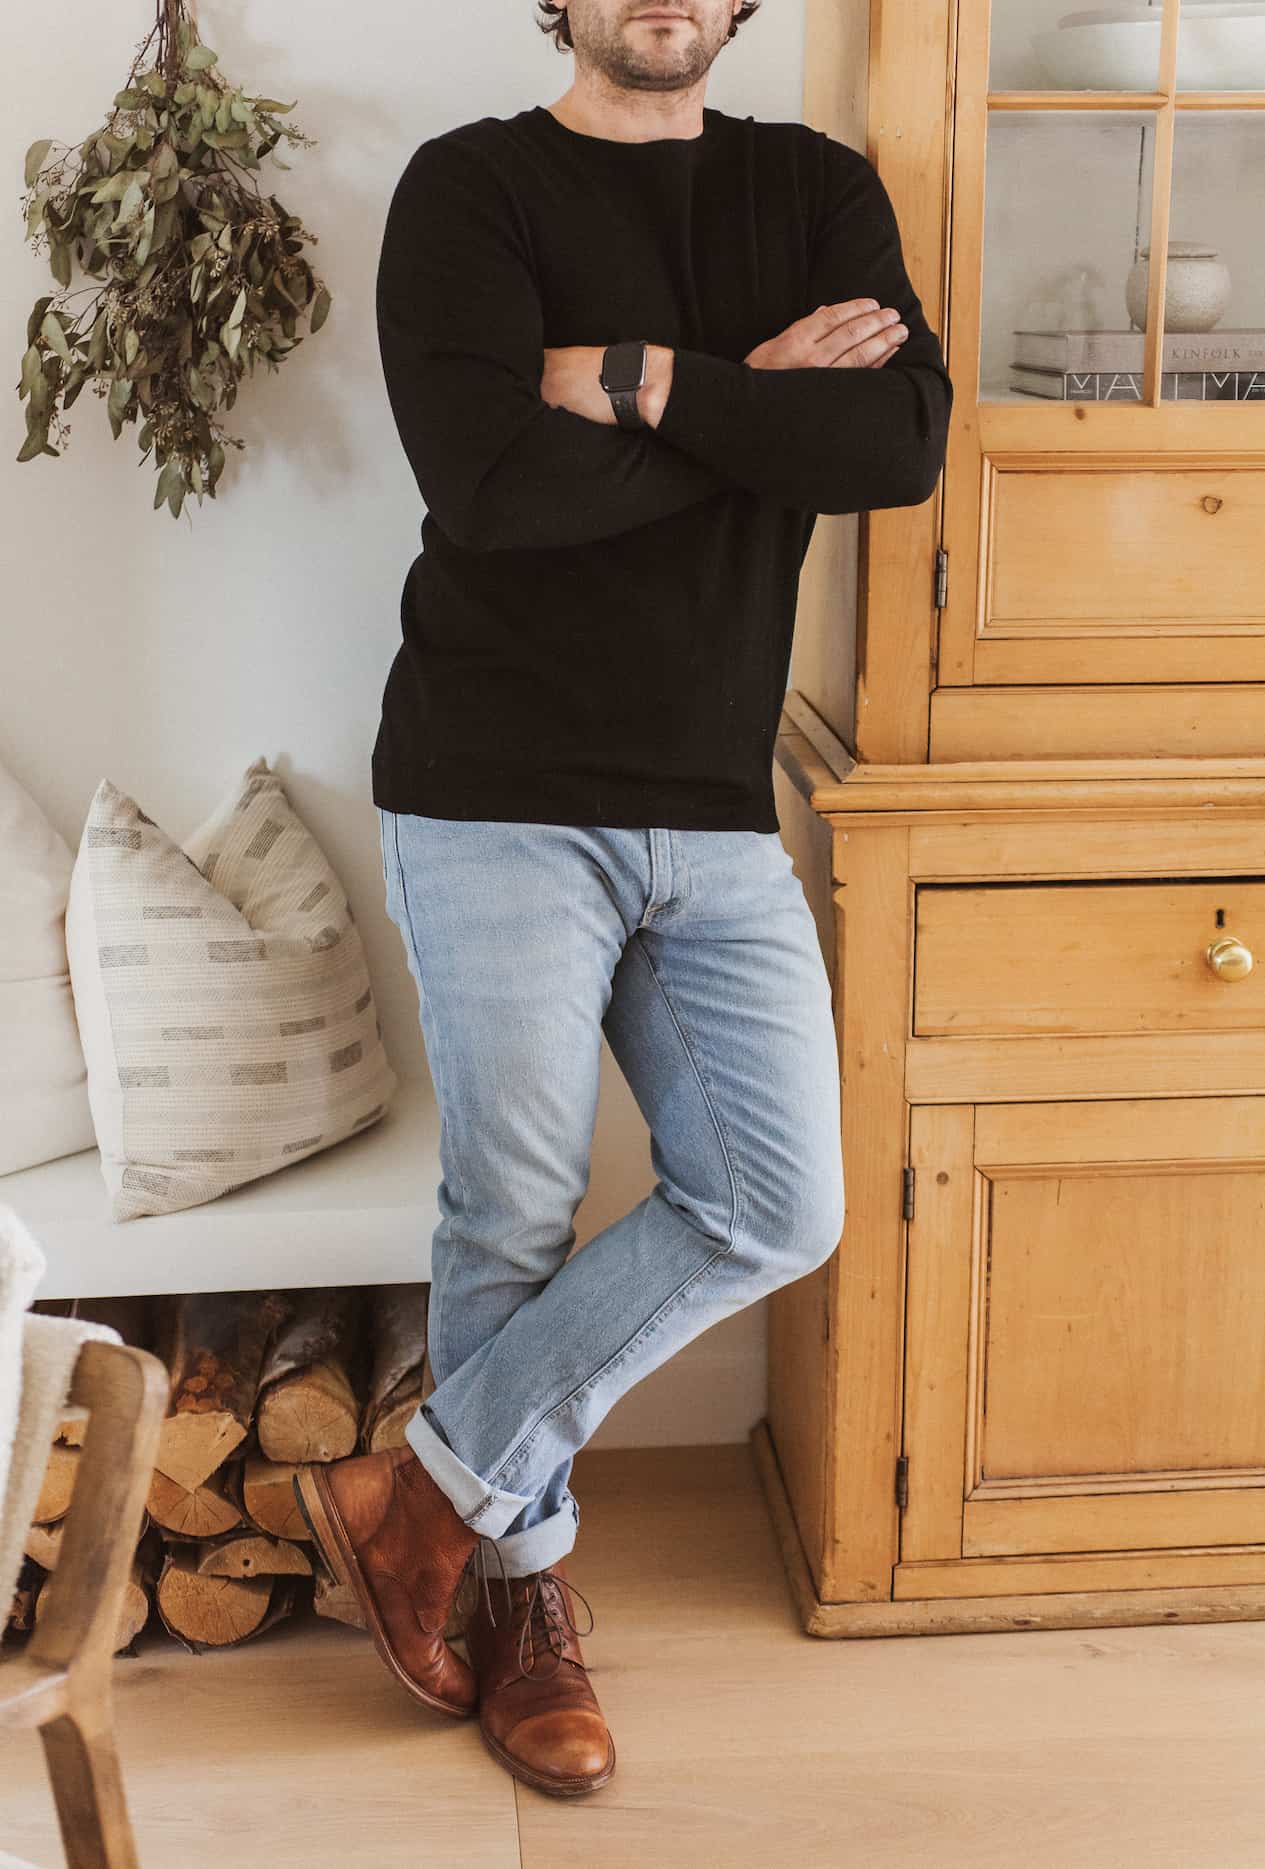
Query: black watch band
623 373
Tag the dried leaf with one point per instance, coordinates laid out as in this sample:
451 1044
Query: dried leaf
147 233
52 332
36 318
168 480
32 366
41 395
130 206
35 159
114 187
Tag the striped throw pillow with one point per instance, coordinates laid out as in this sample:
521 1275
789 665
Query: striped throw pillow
222 996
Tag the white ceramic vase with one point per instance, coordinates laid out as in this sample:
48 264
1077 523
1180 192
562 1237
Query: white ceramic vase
1196 287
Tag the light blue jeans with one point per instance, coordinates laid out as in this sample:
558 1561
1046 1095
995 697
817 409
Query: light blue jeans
696 953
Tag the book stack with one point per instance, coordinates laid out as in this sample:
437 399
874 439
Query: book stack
1106 366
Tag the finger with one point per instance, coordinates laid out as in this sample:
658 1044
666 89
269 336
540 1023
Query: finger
827 317
871 352
863 327
888 340
855 318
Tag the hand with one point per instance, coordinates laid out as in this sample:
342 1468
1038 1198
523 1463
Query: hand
857 334
571 379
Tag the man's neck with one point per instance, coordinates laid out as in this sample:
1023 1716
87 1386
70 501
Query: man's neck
625 116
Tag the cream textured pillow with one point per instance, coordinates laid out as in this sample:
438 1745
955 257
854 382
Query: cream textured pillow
44 1109
223 998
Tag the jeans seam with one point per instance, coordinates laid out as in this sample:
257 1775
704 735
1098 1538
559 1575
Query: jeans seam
441 1043
436 1292
524 1446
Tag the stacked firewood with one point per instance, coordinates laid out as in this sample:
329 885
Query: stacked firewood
262 1382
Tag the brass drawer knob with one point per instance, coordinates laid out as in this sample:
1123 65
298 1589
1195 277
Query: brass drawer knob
1230 959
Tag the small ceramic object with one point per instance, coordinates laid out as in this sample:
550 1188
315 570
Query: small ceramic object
1196 287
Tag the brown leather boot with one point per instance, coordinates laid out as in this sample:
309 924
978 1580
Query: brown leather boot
537 1709
381 1524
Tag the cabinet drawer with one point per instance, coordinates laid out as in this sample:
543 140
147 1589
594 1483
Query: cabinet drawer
1096 958
1158 550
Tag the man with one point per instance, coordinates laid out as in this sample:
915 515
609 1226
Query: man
633 346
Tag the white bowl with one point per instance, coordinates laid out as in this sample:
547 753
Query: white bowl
1222 51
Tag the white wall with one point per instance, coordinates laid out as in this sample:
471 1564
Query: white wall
167 655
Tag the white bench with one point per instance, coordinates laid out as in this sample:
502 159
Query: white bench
359 1213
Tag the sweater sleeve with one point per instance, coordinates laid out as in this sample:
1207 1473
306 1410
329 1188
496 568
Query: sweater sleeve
460 333
829 438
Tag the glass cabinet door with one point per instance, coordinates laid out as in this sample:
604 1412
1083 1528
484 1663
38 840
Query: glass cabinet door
1214 310
1102 520
1170 152
1045 45
1066 202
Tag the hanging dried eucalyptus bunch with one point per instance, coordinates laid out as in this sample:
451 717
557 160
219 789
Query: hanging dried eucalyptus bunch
203 272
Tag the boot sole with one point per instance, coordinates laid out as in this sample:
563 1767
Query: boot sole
334 1549
556 1787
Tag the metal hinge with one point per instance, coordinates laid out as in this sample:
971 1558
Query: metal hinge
907 1194
902 1481
942 577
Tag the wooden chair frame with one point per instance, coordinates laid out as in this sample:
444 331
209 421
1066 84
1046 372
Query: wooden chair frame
62 1681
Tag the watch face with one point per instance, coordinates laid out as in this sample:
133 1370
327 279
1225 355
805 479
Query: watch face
624 365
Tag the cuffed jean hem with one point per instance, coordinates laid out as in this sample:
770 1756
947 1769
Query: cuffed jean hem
536 1548
485 1509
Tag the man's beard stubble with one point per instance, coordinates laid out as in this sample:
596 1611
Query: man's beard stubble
612 52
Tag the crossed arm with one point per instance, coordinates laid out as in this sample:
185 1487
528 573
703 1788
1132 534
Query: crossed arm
513 445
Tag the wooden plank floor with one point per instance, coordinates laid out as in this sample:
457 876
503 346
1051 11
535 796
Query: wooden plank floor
741 1740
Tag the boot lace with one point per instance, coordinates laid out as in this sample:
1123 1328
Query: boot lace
546 1612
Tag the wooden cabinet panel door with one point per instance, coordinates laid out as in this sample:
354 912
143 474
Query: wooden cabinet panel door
1085 1367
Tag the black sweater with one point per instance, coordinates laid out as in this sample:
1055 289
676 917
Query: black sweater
598 627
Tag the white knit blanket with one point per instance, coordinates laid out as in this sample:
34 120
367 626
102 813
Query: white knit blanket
37 1359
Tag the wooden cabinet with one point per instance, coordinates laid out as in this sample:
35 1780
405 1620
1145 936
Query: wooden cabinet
1029 1389
1022 772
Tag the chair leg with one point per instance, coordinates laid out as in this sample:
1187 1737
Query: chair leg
83 1766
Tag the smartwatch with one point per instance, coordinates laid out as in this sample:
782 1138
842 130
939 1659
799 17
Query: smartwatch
623 373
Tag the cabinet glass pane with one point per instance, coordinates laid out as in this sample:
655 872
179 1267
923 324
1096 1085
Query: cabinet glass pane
1067 199
1214 305
1220 48
1029 50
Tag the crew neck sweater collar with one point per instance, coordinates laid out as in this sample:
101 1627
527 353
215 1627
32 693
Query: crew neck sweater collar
580 140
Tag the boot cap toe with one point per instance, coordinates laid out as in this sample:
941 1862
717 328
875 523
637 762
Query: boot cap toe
569 1743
